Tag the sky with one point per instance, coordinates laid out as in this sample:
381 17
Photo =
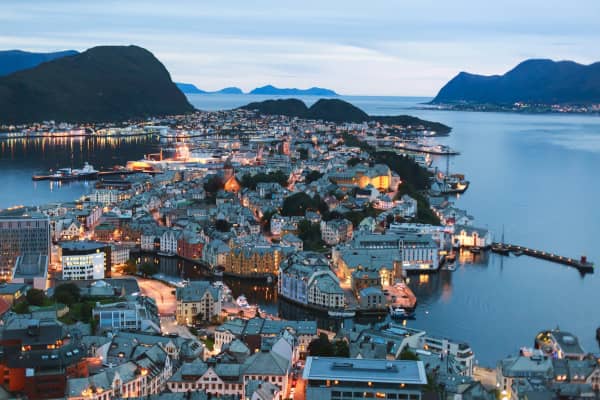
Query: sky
392 47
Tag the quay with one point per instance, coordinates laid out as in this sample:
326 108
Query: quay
92 177
583 265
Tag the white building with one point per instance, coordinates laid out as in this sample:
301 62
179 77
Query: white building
168 241
84 260
336 231
469 236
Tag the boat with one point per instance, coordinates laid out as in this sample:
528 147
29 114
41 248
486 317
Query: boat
401 313
450 266
500 249
341 313
218 271
242 301
166 254
67 174
518 253
475 249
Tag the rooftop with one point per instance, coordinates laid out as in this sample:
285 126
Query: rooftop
363 370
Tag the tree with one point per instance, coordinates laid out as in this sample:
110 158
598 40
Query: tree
222 225
303 153
298 203
321 347
213 185
311 235
21 308
353 161
67 293
130 267
408 354
313 176
342 349
36 297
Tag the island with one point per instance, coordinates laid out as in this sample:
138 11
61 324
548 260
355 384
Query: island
533 85
313 91
336 110
189 88
105 83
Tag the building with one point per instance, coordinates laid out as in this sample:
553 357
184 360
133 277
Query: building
140 314
38 357
559 344
469 236
32 270
379 176
12 292
119 255
520 368
307 279
22 231
254 260
85 260
197 301
336 231
336 378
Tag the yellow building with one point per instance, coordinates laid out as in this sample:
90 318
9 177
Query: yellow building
379 176
254 260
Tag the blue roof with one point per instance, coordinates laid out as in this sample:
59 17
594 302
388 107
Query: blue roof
365 370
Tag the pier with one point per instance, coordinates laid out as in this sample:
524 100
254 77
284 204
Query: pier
582 264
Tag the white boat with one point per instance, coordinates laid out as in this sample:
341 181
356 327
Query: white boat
401 313
242 302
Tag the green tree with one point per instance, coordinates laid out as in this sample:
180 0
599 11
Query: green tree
353 161
130 267
313 176
321 347
222 225
21 307
341 348
408 354
311 236
213 185
67 293
36 297
298 203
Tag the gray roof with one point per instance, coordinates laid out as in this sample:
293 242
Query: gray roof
195 291
365 370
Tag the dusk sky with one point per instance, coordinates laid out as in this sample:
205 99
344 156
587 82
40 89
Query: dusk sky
393 47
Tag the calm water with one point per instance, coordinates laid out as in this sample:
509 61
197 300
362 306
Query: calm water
536 175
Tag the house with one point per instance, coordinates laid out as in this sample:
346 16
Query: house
470 236
336 231
198 300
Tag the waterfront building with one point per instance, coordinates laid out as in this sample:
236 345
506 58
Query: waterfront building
470 236
22 231
559 344
372 298
197 301
32 270
254 260
82 260
336 378
216 253
336 231
307 279
168 241
119 255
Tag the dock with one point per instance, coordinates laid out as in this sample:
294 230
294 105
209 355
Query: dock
92 177
582 264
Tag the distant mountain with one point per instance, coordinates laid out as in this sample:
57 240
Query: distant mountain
106 83
313 91
336 110
230 90
189 88
17 60
532 81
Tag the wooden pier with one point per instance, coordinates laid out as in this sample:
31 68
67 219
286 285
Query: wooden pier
582 264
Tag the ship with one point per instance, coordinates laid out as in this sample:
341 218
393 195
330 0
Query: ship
71 174
341 313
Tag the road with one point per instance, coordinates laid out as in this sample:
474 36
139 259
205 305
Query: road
486 376
162 293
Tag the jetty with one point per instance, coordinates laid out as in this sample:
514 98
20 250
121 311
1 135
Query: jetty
582 264
93 177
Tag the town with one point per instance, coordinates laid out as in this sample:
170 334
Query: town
336 217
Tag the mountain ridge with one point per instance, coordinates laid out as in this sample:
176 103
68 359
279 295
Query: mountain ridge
534 81
17 60
104 83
